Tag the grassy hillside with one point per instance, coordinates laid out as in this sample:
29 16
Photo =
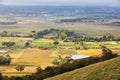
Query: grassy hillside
108 70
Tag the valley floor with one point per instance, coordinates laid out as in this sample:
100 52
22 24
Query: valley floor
34 57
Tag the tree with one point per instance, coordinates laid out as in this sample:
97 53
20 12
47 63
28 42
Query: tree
18 78
20 68
76 41
1 78
59 60
67 59
81 44
55 42
55 62
4 34
27 43
107 53
63 35
110 37
105 38
8 59
48 68
39 69
33 33
8 44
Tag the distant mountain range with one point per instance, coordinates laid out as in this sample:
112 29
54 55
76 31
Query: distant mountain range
57 9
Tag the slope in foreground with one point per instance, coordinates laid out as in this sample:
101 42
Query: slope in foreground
108 70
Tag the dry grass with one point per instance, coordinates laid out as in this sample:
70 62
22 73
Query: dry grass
33 55
90 52
95 52
13 72
31 58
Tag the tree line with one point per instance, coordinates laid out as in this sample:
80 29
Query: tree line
64 35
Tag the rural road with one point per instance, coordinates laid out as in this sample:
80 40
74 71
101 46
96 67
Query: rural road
18 56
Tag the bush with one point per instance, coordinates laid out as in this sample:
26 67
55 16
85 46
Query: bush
1 78
8 44
56 43
39 70
18 78
20 68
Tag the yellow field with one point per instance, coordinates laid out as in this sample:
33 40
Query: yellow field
90 52
30 57
95 52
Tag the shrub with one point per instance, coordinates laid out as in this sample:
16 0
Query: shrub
56 43
20 68
8 44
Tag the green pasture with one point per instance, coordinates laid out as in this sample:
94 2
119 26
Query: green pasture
20 43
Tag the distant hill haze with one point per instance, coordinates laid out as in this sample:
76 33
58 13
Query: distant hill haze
57 9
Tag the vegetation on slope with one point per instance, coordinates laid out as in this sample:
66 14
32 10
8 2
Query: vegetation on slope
108 70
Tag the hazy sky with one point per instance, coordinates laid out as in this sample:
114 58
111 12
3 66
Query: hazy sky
63 2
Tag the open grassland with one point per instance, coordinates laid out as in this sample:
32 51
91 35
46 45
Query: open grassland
108 70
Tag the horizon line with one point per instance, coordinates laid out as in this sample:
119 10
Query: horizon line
63 5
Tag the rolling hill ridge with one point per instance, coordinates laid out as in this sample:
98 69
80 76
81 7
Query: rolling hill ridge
107 70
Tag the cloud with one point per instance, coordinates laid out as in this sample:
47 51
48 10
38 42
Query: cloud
1 2
63 2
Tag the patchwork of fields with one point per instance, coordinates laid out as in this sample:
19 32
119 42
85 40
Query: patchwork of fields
43 36
26 25
34 56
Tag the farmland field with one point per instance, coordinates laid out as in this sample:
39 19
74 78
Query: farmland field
36 36
25 25
83 28
32 58
35 56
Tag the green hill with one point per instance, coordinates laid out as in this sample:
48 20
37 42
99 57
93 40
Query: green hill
107 70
